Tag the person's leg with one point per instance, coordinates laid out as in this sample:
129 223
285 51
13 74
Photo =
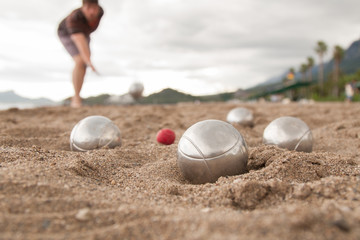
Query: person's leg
78 76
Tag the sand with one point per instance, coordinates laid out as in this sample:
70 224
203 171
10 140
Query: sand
136 191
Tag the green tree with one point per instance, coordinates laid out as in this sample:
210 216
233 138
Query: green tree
321 49
310 64
338 55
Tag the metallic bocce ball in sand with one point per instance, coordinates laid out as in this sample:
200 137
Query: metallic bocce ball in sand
290 133
136 90
241 116
210 149
94 132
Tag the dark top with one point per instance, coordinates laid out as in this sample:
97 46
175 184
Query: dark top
76 22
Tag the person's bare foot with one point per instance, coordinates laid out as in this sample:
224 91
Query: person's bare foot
76 102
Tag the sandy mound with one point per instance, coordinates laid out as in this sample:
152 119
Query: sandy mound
137 192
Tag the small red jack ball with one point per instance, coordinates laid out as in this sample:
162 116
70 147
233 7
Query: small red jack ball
165 136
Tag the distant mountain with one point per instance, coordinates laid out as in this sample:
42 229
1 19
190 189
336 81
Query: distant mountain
10 98
170 96
349 65
165 96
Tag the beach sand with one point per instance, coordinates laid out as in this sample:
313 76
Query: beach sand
136 191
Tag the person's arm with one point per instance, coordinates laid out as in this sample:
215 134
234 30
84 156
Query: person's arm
83 46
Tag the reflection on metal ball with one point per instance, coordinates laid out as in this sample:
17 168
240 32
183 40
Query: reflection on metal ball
94 132
136 90
290 133
240 116
210 149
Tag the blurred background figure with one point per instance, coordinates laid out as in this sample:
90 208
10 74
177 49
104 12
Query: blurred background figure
350 89
74 33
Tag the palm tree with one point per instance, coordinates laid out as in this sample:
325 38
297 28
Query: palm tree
303 69
338 56
321 49
310 65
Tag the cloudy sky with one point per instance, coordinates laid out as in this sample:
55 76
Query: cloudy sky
196 46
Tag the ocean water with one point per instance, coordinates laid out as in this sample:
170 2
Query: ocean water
26 105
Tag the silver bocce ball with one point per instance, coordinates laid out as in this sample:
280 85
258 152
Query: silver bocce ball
136 90
210 149
289 132
241 116
94 132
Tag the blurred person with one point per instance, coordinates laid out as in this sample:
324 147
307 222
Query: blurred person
74 33
350 90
